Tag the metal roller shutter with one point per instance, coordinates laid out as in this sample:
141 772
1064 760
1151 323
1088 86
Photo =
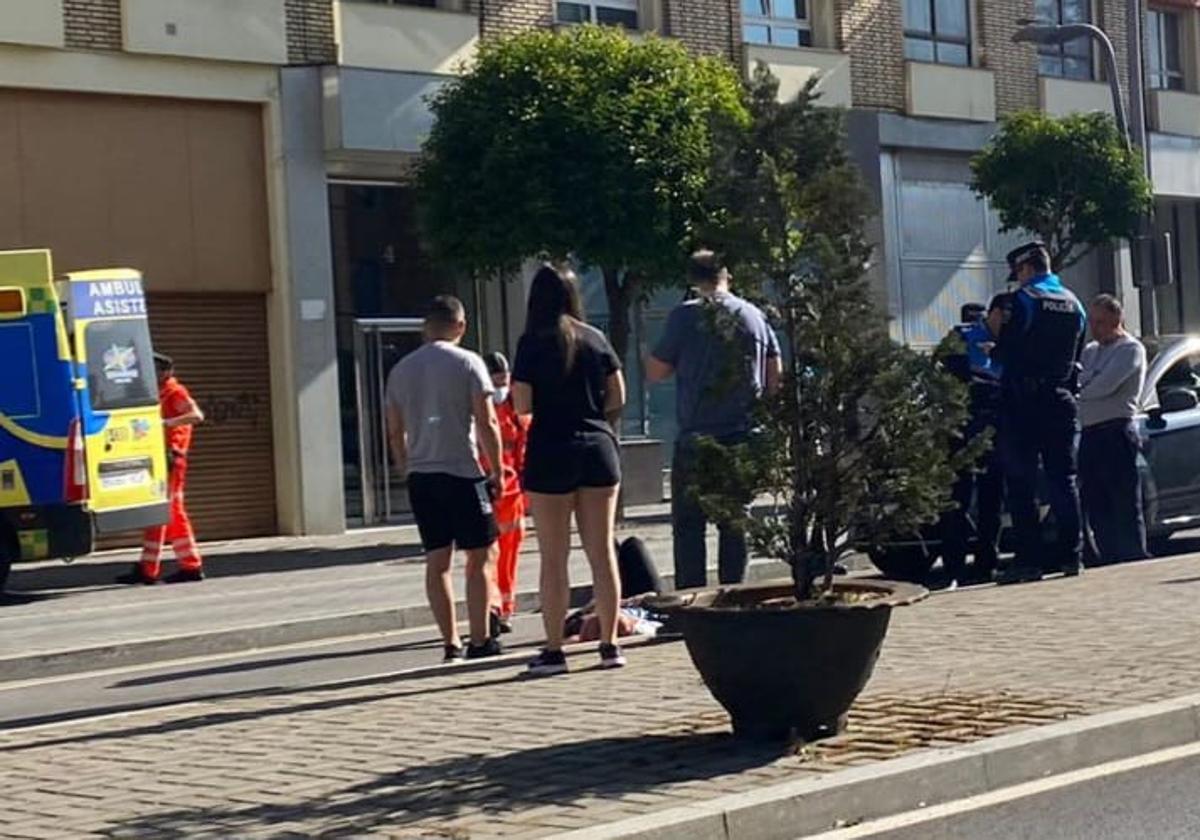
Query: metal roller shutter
219 344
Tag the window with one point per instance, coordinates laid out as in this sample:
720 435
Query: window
1163 66
780 23
120 373
427 4
937 31
609 13
1072 60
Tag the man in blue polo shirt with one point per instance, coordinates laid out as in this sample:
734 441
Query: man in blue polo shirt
718 382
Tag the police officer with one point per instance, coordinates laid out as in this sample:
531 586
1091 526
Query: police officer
1041 335
968 357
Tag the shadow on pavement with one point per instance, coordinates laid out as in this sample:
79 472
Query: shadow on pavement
492 784
217 563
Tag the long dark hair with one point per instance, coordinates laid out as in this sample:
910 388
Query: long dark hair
555 309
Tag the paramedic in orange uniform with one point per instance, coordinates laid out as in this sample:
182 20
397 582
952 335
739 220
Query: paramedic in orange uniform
180 413
510 506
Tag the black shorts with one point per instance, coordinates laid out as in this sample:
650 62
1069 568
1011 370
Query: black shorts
586 459
452 511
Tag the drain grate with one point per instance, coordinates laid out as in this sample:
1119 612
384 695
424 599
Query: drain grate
883 726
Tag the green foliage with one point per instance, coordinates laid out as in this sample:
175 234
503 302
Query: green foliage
1070 180
580 142
856 445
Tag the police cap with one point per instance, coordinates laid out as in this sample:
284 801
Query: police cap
164 361
1024 252
971 312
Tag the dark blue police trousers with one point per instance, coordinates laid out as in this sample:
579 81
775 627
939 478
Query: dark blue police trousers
1040 426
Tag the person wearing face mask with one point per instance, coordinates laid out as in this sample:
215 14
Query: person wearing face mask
510 503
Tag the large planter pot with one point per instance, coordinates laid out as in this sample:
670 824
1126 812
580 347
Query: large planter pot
785 671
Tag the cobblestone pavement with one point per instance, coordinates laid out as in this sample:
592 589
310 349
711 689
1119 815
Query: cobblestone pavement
455 752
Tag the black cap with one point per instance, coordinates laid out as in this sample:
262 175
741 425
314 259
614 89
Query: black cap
496 362
971 312
1000 301
163 360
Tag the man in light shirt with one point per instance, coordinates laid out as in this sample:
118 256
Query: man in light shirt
1114 371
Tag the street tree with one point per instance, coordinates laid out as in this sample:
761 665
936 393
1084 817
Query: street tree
856 445
580 144
1071 180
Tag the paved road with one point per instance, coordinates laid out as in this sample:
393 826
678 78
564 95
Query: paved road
1141 799
295 667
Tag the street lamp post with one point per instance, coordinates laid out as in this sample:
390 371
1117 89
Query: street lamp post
1131 128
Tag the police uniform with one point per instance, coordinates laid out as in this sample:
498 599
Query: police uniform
1044 330
971 363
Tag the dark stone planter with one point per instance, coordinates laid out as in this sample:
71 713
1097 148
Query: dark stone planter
789 672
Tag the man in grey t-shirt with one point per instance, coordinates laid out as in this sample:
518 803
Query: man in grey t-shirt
724 356
1114 371
438 407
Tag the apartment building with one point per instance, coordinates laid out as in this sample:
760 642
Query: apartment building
251 157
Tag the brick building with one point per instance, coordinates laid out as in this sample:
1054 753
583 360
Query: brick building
251 156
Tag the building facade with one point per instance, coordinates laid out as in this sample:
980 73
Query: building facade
251 157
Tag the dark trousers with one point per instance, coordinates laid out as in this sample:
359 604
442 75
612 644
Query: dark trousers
1111 491
1040 426
688 525
984 483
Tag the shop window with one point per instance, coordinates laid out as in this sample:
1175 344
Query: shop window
623 13
1072 60
779 23
1164 68
938 31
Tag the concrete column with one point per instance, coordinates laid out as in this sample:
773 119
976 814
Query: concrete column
305 310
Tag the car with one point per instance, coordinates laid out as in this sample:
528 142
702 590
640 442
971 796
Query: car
1168 424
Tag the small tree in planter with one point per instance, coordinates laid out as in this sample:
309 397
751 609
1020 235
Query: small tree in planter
855 446
857 442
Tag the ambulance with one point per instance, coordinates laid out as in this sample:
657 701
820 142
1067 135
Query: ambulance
81 440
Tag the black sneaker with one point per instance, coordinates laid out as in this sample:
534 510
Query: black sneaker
454 653
498 624
489 648
548 663
1074 569
611 656
185 576
134 577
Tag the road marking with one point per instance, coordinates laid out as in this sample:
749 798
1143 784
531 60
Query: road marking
881 826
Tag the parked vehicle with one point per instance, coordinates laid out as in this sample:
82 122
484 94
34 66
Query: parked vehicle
1169 426
81 440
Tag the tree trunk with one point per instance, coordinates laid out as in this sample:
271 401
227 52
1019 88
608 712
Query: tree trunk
619 296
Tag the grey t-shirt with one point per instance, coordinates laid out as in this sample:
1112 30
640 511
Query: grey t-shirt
1110 384
718 376
434 388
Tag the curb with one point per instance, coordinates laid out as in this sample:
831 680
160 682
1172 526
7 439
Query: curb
812 806
46 664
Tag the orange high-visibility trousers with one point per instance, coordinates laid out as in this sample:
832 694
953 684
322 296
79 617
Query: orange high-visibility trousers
510 521
178 529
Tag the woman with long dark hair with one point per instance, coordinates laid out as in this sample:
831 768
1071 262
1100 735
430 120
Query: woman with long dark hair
568 377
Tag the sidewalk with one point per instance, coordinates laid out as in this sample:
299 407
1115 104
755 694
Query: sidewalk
260 593
475 751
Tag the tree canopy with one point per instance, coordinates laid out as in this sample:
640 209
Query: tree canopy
581 143
1070 180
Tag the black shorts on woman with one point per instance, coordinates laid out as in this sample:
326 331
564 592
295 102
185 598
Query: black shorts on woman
571 444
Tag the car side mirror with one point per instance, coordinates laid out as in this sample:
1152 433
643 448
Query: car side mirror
1177 400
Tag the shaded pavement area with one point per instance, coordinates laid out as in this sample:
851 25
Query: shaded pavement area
483 752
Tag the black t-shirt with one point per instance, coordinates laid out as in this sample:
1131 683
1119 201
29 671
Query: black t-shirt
565 403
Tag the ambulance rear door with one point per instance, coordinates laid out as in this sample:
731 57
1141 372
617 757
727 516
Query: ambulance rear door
123 440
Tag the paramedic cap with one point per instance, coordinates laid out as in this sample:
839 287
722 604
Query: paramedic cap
496 362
